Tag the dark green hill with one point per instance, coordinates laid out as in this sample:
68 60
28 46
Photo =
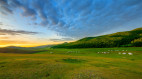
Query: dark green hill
131 38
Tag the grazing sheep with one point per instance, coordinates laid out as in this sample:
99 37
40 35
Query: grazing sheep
130 53
124 53
104 52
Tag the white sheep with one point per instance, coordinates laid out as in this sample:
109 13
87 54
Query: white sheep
124 53
130 53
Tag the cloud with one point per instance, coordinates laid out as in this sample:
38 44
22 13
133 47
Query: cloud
62 39
3 6
15 32
10 6
77 18
4 37
1 23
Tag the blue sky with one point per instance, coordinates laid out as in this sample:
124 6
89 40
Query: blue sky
56 21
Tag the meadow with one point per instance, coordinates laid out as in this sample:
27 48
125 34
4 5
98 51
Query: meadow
86 63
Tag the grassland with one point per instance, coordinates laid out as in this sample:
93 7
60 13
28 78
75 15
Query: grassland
89 63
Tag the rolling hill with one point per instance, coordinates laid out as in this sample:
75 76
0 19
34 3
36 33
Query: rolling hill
131 38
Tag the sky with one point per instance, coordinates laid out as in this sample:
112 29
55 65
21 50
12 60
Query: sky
42 22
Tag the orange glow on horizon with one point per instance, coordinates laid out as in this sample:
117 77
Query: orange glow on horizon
29 44
25 41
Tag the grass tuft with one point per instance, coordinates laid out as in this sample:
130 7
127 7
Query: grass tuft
69 60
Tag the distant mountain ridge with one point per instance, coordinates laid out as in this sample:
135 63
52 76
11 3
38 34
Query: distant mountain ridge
131 38
24 50
42 46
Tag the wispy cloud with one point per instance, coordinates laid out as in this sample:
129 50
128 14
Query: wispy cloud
15 32
62 39
4 37
1 23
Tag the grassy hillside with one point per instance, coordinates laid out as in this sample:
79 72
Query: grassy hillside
131 38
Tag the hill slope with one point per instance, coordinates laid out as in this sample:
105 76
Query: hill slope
131 38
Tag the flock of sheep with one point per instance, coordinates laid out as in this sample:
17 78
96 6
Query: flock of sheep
109 51
122 52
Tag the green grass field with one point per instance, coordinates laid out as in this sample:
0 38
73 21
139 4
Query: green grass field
91 63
